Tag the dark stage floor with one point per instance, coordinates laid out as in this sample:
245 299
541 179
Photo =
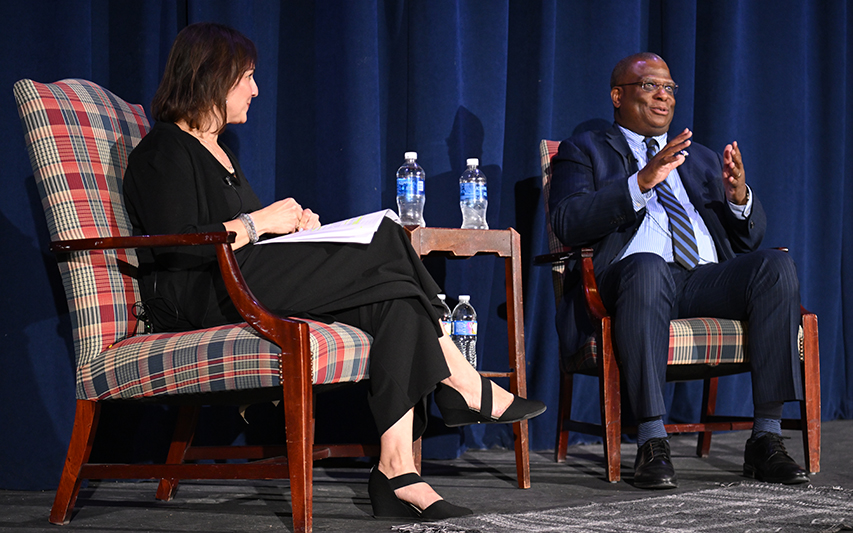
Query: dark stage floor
482 480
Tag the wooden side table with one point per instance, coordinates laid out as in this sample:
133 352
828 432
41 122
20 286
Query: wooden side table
506 243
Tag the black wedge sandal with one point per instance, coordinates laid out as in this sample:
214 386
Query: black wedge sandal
455 411
386 504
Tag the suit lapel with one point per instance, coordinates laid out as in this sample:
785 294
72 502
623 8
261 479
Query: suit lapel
611 245
696 189
617 141
703 199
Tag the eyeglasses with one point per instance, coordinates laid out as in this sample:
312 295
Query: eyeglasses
652 87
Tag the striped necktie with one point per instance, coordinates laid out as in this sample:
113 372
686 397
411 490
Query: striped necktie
684 248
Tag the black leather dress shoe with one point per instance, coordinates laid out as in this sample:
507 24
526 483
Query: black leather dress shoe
653 468
765 459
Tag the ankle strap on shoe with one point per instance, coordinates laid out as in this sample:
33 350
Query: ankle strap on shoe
486 398
404 480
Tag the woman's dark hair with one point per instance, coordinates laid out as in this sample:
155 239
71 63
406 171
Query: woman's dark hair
206 60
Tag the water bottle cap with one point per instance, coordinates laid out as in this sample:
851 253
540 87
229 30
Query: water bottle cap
410 155
473 162
441 297
464 297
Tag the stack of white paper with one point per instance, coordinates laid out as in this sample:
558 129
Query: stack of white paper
358 229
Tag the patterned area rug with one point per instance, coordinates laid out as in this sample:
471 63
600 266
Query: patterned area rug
746 507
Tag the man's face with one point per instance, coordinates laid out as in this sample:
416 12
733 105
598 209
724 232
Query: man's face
646 113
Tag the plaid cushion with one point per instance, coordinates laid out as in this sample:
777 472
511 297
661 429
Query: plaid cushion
547 150
78 136
232 357
709 341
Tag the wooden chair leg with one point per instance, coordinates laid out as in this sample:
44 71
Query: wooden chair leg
300 466
522 454
515 338
709 407
811 437
82 437
181 441
564 412
298 417
611 404
810 406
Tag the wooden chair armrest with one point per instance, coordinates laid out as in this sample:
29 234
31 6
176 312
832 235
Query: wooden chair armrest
142 241
289 334
594 305
286 333
559 257
803 310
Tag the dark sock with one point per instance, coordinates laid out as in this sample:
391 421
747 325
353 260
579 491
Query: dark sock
768 419
766 425
650 429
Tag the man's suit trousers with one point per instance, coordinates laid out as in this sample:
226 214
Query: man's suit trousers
643 293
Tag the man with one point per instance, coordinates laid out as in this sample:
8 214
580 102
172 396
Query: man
675 230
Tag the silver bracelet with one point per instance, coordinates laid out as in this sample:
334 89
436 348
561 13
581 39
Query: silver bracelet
247 221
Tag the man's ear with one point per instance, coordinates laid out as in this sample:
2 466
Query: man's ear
616 96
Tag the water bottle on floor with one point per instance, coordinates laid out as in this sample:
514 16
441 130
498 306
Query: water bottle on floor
473 196
465 329
445 319
410 191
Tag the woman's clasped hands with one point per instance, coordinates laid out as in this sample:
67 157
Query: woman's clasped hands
283 217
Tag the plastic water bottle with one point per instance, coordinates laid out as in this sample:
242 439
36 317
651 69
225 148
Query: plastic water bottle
410 191
445 319
473 196
465 329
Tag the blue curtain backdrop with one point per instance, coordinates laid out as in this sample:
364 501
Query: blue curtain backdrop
347 87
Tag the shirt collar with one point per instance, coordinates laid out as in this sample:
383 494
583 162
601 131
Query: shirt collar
636 138
636 144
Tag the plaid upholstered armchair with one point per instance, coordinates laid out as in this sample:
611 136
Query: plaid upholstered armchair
78 136
699 348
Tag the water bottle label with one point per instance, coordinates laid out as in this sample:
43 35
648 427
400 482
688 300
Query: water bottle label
447 327
464 327
409 187
405 187
473 192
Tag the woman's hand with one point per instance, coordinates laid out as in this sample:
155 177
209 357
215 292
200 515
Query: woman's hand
309 220
280 218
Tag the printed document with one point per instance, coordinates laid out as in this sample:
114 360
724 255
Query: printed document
358 229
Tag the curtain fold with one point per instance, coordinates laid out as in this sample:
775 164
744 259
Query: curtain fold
345 88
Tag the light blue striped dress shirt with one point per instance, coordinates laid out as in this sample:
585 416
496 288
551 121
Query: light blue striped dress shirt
653 235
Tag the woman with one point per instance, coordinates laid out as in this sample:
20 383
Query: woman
181 179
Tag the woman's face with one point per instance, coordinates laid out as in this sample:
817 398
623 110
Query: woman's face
240 97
